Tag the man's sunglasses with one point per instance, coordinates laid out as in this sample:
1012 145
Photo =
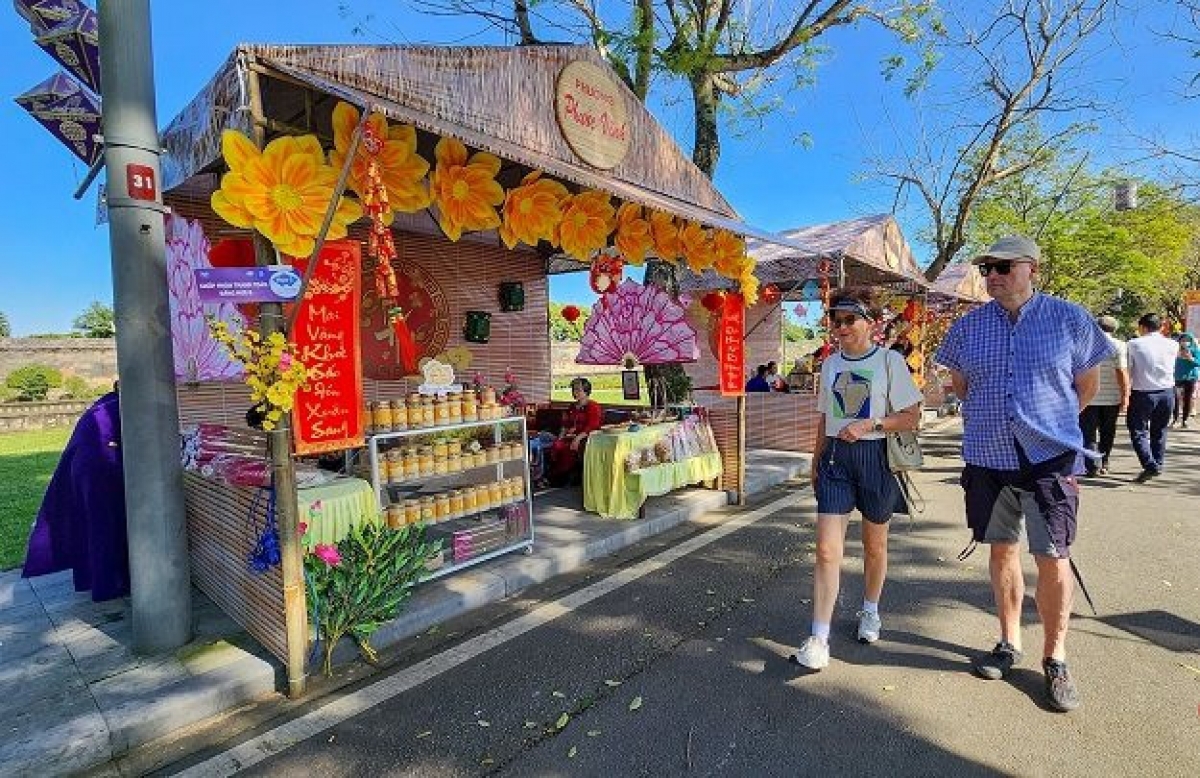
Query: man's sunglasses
844 321
1004 267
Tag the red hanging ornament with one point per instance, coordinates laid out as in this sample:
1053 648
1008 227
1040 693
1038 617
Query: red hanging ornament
911 311
232 252
571 313
606 273
713 302
770 294
406 346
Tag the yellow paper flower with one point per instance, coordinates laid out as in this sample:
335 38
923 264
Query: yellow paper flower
532 211
633 237
271 370
749 288
697 247
728 253
465 189
586 224
665 234
282 192
394 150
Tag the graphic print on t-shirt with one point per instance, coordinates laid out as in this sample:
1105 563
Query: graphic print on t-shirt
851 392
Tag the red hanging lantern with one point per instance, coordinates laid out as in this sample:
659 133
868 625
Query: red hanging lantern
713 302
571 313
910 311
232 252
770 294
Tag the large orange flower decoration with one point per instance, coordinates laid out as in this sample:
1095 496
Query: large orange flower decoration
393 148
532 210
586 224
697 247
665 234
633 237
465 189
729 251
282 191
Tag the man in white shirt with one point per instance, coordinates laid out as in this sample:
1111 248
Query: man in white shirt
1152 394
1099 419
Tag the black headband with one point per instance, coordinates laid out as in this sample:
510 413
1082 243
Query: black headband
852 306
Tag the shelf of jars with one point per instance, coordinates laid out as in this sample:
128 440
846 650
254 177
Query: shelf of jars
471 491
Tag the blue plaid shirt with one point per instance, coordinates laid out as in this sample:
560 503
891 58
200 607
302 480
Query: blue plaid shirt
1020 379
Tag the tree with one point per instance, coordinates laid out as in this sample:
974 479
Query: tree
5 329
723 51
1011 103
97 321
33 382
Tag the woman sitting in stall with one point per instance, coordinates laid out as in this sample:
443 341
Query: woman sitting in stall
583 418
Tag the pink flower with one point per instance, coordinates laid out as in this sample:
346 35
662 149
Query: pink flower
303 528
328 554
285 361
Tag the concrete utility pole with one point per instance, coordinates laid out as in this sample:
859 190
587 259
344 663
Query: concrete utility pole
154 508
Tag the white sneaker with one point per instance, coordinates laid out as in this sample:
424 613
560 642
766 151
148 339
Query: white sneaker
868 627
813 654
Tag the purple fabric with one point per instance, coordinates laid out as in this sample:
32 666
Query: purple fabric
81 524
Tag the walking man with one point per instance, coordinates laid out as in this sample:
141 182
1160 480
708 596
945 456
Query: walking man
1024 365
1099 418
1152 397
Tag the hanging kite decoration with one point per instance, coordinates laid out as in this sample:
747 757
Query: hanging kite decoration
68 111
639 322
75 43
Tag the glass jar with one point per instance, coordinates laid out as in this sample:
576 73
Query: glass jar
492 456
440 448
412 511
441 412
425 460
415 419
395 516
479 458
399 416
441 506
381 416
368 418
453 447
412 467
470 406
428 512
392 470
457 504
495 494
488 396
518 487
506 491
454 463
427 415
470 500
440 465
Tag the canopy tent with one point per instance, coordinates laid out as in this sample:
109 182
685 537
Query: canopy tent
491 98
960 283
869 250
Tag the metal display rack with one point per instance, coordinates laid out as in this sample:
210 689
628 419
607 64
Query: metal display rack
451 528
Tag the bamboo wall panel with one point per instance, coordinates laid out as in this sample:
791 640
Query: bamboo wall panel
222 530
785 422
723 418
763 344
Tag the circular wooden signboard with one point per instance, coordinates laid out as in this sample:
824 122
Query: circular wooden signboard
591 112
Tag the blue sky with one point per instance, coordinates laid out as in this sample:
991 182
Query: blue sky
54 261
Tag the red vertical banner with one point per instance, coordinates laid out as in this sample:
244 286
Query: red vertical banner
731 346
326 338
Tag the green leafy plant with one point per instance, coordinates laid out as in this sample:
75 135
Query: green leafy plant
33 382
356 585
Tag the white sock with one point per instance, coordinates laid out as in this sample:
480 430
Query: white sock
820 630
870 607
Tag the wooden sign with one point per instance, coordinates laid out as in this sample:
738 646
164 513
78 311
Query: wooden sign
327 414
590 107
731 346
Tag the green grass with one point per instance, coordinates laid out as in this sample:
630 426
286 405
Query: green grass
602 396
27 460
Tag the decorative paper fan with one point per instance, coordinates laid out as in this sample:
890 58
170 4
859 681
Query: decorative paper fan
641 321
197 356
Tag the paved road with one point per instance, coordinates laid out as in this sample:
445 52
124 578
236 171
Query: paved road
700 644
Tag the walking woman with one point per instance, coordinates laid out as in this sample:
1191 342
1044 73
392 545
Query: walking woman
1187 372
866 391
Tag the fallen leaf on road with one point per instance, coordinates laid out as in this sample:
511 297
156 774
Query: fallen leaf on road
483 723
593 733
530 725
426 733
487 761
610 682
637 703
562 721
572 752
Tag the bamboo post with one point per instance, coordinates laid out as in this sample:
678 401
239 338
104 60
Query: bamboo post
741 444
283 474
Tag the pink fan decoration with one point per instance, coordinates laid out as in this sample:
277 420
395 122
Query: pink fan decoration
638 321
197 356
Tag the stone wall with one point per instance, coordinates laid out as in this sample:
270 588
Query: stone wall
92 359
16 417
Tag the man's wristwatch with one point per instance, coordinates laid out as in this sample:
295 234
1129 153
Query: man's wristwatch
877 425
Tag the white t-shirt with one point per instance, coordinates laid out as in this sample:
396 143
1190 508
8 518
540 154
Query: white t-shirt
1152 363
857 388
1109 392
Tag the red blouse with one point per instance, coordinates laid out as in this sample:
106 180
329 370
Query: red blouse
585 419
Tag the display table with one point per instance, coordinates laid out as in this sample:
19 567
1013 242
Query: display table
332 509
613 491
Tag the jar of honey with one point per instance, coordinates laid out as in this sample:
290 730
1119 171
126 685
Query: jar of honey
479 458
392 470
470 500
411 465
395 516
368 418
428 416
441 448
495 494
413 407
453 463
412 511
399 415
492 457
441 413
428 512
440 465
506 491
489 396
453 447
441 506
454 407
457 504
381 416
470 406
519 487
425 460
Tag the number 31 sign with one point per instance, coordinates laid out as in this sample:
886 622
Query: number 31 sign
139 180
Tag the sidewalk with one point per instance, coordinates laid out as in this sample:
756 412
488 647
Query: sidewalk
73 695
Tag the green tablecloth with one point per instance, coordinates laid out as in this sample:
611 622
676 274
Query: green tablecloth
616 494
332 509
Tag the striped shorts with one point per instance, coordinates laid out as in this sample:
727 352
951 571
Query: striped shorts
856 475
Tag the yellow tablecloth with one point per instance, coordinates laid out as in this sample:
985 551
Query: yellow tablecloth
616 494
332 509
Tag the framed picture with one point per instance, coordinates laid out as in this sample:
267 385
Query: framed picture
630 388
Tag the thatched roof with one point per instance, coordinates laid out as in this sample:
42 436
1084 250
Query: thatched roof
871 249
498 99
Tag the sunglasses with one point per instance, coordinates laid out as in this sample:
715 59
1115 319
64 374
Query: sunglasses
844 321
1003 267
